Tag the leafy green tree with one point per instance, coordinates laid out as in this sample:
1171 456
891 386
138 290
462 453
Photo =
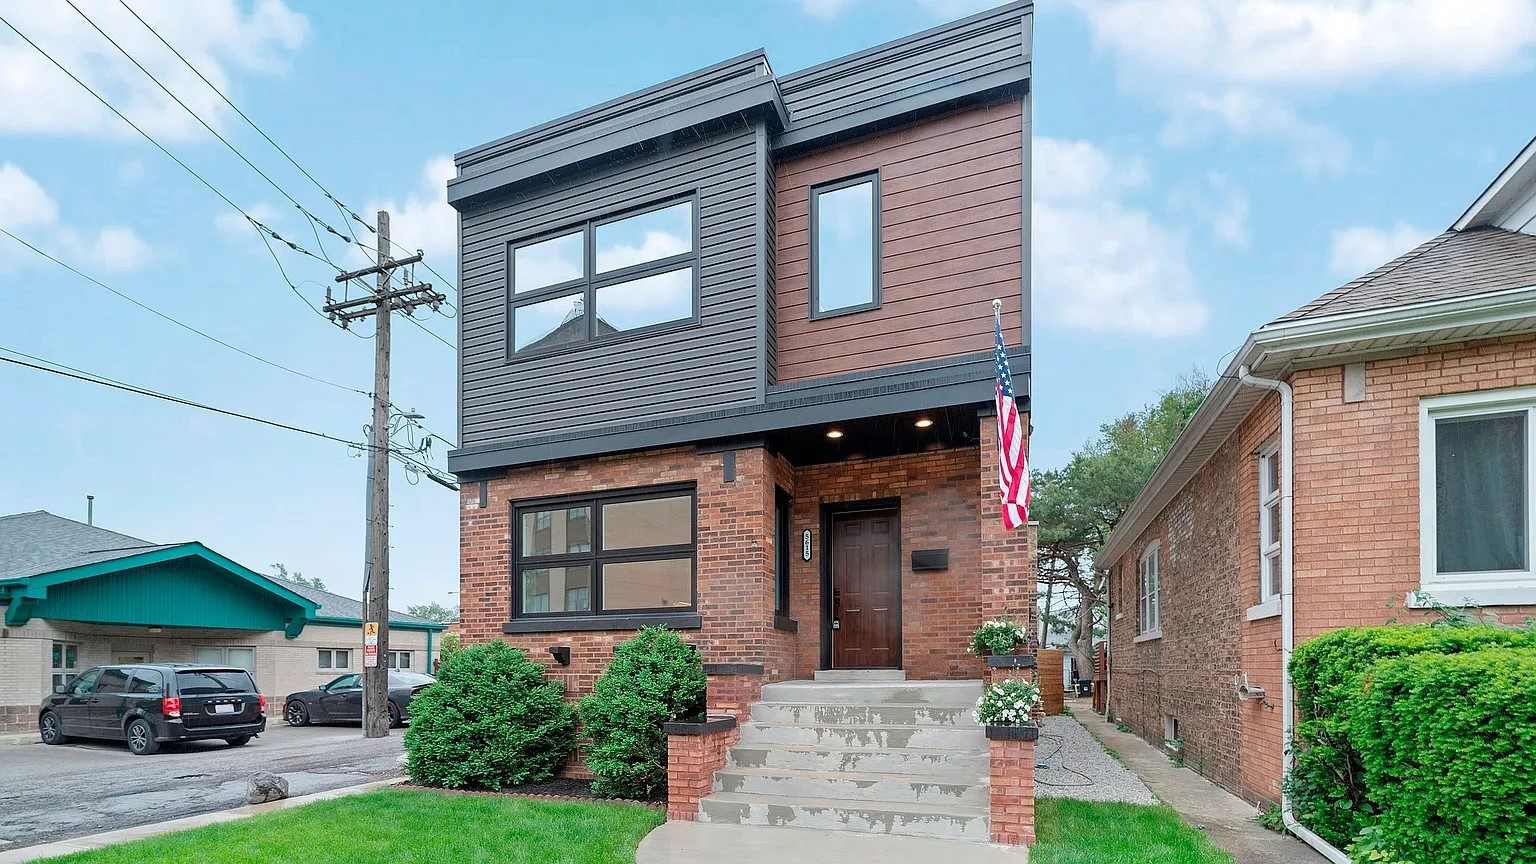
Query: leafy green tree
1080 504
436 612
282 572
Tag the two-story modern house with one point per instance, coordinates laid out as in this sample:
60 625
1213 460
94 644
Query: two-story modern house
726 362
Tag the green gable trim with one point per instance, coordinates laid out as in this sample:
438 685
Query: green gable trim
167 587
428 626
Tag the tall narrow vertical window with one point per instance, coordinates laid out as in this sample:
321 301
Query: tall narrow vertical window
781 552
1477 467
603 278
1149 570
66 662
1270 524
845 246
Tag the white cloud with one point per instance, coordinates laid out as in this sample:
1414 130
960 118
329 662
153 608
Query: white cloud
22 200
218 36
1237 65
1219 202
1357 251
1101 264
25 204
423 220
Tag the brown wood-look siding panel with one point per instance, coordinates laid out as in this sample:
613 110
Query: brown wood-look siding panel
951 240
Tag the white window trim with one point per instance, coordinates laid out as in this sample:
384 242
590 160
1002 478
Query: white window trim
389 661
1266 500
1154 549
333 667
1497 588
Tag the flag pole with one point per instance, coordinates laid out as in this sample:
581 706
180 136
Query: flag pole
997 312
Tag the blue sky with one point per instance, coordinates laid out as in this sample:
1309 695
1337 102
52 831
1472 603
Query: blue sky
1201 166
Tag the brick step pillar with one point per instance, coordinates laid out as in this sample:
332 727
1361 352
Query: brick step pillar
1012 806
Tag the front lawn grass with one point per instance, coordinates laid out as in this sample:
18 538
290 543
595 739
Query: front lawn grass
1092 832
400 825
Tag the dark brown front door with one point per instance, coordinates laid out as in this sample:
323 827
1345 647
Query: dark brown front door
866 590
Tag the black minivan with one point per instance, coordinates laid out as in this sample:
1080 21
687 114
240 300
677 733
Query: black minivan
147 704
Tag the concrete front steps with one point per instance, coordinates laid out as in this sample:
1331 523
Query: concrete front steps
862 752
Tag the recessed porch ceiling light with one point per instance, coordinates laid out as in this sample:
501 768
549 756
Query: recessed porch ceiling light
923 422
834 434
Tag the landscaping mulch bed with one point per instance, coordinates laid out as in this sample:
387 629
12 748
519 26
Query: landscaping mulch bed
558 789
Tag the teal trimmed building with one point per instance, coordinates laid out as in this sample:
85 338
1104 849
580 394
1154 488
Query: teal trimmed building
74 596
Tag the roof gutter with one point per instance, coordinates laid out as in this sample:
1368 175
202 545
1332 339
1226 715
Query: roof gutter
1272 349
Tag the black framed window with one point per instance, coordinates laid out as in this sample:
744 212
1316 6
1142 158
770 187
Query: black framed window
604 279
618 552
781 552
845 246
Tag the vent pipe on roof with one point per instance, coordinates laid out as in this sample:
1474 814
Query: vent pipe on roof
90 509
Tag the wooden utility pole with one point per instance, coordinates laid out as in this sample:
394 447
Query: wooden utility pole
376 548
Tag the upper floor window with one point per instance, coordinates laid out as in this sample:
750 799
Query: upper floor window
616 552
1149 585
604 278
1269 523
1477 469
845 246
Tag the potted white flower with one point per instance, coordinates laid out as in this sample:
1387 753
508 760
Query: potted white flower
997 638
1005 710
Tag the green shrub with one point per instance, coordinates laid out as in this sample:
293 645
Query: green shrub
654 678
491 721
1449 749
1327 785
998 637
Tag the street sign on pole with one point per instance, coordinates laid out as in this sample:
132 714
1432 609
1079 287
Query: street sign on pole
370 656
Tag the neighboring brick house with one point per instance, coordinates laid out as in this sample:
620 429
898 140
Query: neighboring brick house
1403 424
74 596
774 430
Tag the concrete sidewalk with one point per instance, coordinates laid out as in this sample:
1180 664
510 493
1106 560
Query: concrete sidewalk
108 838
1225 818
705 843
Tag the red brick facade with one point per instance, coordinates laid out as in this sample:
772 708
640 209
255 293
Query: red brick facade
1356 525
948 499
692 761
1012 792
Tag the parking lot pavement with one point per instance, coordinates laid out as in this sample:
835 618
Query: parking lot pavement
55 793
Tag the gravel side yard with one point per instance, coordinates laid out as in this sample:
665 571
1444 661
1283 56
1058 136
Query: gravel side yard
1077 766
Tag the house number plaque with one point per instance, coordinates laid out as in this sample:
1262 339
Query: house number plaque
805 545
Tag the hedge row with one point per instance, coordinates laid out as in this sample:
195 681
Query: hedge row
493 720
1332 786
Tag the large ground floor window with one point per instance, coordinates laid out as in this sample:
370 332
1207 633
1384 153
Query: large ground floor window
66 663
619 552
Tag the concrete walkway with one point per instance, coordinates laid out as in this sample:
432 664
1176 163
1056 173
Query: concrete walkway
707 843
1225 818
123 835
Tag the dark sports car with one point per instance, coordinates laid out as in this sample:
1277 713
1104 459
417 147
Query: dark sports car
341 701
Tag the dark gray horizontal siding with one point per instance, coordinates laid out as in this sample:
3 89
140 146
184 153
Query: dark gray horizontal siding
991 45
700 367
744 66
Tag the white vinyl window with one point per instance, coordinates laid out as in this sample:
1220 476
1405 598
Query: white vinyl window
65 662
335 658
1149 588
399 660
1477 468
1270 524
241 658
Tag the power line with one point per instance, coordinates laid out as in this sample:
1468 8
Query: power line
263 229
346 211
195 116
182 324
93 378
341 206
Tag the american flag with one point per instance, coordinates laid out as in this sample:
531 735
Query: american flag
1012 464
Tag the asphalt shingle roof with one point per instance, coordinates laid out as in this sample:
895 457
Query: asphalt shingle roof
1454 264
39 542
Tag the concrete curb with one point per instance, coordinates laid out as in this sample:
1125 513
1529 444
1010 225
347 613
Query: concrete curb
7 738
123 835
